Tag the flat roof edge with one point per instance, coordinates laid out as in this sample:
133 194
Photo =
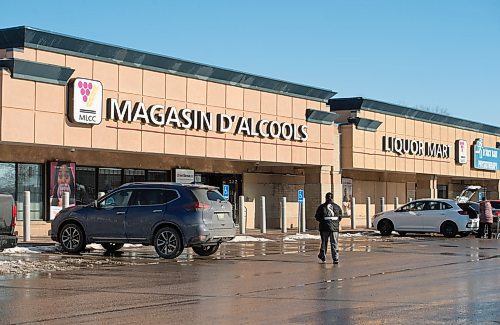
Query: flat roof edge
39 39
359 103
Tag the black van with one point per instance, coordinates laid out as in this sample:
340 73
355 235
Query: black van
8 215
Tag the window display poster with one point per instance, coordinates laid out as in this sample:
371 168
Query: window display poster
346 196
62 179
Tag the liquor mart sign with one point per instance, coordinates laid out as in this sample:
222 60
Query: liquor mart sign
415 147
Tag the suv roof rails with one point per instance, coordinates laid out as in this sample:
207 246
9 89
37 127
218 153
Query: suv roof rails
169 183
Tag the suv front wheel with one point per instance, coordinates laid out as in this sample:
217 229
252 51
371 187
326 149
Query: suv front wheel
168 243
72 238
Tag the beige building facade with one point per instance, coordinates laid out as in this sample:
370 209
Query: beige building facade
118 115
112 115
390 151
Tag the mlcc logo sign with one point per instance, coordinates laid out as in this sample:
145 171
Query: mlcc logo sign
85 101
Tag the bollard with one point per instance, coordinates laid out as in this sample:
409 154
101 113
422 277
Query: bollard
299 218
283 215
242 214
303 215
368 212
26 216
353 213
411 199
263 214
65 201
396 203
100 195
382 204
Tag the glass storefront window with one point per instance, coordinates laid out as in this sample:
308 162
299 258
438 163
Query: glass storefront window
442 191
109 179
85 185
134 175
158 176
29 178
8 178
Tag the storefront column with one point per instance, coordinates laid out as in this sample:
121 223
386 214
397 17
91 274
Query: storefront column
497 190
426 186
319 181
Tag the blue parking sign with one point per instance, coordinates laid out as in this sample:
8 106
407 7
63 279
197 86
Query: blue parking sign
300 194
225 191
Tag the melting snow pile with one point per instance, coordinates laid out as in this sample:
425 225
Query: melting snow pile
301 237
29 250
238 239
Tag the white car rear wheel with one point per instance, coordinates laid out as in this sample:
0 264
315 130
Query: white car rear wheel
449 229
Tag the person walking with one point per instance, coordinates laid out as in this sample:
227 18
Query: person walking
485 219
329 215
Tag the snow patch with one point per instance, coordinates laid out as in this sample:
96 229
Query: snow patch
301 237
99 246
239 239
356 234
30 250
94 246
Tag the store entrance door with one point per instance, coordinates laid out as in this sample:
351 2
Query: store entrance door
235 182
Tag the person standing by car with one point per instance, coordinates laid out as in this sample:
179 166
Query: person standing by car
329 215
485 219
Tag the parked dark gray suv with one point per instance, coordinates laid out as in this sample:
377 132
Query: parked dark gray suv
169 216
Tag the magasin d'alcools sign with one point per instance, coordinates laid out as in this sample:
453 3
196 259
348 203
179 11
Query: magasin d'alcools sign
187 118
159 115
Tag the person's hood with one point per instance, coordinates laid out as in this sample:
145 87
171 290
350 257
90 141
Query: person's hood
467 193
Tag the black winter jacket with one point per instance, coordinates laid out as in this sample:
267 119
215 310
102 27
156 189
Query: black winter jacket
333 214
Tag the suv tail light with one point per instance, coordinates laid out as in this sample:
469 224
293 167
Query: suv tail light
497 213
198 206
464 213
14 216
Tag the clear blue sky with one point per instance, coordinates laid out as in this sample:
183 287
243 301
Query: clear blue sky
430 54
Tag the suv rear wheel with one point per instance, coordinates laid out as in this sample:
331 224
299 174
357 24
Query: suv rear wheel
205 250
168 243
72 238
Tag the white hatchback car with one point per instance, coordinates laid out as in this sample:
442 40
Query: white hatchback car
427 216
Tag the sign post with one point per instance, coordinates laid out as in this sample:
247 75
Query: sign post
300 196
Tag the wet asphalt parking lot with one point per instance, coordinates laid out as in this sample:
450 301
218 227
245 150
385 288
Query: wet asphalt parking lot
396 280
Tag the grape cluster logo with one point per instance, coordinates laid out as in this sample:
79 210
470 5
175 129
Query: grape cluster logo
85 101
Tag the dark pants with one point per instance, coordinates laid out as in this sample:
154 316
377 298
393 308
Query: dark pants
484 228
334 243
